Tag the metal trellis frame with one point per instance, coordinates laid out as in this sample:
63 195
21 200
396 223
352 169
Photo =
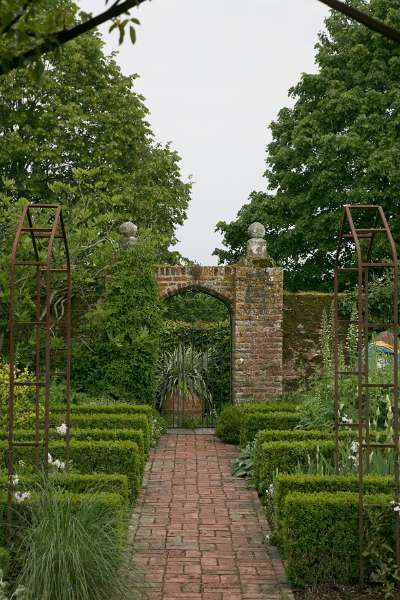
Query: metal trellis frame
40 252
363 227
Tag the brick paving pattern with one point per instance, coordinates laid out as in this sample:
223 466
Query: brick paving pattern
198 531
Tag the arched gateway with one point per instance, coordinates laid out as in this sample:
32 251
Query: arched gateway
254 294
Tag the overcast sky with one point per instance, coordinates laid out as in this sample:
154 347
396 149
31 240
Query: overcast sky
215 73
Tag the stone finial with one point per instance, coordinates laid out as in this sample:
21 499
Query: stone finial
256 245
128 234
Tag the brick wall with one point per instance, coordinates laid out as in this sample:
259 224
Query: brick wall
254 295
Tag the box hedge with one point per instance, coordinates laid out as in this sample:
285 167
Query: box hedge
284 457
132 435
254 422
230 419
286 484
321 536
118 408
291 435
110 421
78 483
93 457
298 435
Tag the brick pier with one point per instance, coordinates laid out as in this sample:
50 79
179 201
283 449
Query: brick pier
199 532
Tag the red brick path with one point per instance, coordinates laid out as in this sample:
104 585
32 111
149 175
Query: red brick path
200 532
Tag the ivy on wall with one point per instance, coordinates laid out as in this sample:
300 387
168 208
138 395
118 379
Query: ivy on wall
118 351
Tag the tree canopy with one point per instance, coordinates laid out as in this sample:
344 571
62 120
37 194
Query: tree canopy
30 29
82 139
338 144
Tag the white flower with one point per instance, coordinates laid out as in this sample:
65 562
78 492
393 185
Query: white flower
15 480
49 459
395 506
270 491
59 464
22 496
347 420
354 447
62 429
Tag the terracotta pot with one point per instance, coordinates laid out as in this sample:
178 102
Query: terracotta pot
188 405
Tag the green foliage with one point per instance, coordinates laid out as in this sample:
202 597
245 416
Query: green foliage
292 435
243 466
90 434
27 32
77 483
254 422
123 331
193 306
214 338
321 536
70 547
111 421
19 593
227 427
285 484
24 398
4 560
114 408
337 145
92 456
286 456
81 139
317 409
229 421
380 554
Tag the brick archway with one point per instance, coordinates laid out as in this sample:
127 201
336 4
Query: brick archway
254 295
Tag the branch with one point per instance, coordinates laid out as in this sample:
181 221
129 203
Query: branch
21 12
65 35
364 19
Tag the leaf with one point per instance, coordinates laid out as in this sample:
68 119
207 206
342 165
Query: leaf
132 33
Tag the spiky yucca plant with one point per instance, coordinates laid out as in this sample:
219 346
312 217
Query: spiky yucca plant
183 372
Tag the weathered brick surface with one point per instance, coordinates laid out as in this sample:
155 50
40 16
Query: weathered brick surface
255 297
199 531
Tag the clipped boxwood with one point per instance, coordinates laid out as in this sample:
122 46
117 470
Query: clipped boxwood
230 419
227 427
286 484
110 421
284 457
133 435
298 435
4 560
78 483
93 457
254 422
117 408
321 536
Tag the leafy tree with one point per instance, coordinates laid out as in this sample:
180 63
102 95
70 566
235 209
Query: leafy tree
82 139
195 306
29 29
339 144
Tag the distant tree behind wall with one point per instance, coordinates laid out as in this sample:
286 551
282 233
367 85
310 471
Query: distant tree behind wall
338 144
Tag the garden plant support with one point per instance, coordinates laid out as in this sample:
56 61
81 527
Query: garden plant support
43 259
362 228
